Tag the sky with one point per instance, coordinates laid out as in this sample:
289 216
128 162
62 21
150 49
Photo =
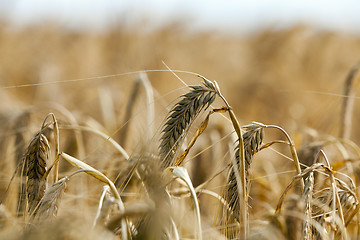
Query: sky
225 15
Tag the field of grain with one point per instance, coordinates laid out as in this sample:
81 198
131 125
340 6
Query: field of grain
171 134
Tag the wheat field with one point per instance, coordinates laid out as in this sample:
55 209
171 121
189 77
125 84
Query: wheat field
171 134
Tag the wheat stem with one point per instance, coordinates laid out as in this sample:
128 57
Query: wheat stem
128 113
150 103
243 192
348 102
182 173
336 199
292 150
57 143
106 190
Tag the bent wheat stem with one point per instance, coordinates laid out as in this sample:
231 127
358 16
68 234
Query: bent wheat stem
236 125
183 174
292 149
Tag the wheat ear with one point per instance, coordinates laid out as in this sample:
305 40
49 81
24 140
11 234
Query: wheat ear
252 138
36 156
180 117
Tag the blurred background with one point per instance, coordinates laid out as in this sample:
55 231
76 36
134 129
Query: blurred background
277 62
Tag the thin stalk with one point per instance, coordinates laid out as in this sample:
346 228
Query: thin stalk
336 199
57 143
117 146
183 174
243 192
176 233
348 102
128 113
150 106
71 119
57 148
100 206
292 150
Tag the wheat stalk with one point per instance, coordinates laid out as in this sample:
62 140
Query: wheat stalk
150 105
128 113
292 149
182 173
348 102
308 193
103 210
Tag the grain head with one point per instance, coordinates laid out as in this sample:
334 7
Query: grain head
181 115
36 158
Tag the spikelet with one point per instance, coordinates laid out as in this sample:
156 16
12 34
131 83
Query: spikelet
36 157
181 115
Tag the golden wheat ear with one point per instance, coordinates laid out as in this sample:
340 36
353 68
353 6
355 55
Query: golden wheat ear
36 157
180 117
252 139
